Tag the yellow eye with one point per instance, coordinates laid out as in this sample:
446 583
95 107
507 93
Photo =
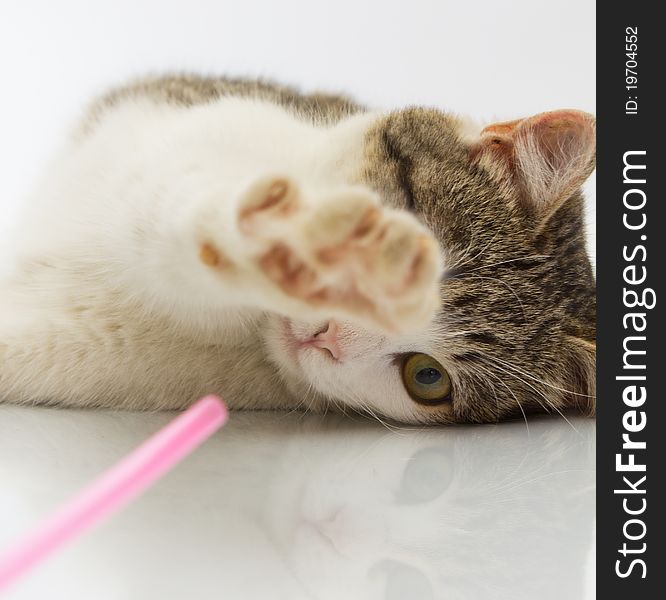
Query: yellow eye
426 381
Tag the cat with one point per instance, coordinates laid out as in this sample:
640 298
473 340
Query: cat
295 251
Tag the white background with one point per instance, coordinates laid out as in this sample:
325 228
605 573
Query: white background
488 59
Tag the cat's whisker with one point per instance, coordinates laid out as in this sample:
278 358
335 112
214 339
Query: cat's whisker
509 483
549 403
341 406
365 408
526 481
391 428
443 337
541 381
478 370
540 393
512 479
498 411
310 394
489 359
499 379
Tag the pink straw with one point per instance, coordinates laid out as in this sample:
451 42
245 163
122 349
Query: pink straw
116 487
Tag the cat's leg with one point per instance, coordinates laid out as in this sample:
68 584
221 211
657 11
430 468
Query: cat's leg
311 253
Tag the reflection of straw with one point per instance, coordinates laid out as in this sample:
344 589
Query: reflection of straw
116 487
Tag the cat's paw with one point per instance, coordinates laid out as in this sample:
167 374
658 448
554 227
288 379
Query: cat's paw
343 253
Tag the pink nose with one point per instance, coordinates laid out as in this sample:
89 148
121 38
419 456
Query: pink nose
327 340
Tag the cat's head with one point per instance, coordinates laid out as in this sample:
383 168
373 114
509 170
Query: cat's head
516 329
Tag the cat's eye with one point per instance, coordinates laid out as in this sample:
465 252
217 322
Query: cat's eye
426 381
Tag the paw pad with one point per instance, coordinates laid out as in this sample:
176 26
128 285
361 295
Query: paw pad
210 256
343 255
270 198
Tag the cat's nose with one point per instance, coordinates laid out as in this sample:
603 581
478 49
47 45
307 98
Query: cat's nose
328 340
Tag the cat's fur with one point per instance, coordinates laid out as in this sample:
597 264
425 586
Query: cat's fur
194 230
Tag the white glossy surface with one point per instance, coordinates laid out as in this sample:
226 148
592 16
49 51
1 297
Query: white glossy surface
294 507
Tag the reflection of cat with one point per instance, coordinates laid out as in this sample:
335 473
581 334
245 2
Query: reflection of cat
473 514
331 508
201 235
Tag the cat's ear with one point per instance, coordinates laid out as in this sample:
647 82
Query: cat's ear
549 155
580 375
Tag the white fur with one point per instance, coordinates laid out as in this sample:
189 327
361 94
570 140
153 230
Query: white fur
106 302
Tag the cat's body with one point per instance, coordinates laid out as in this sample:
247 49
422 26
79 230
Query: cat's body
285 251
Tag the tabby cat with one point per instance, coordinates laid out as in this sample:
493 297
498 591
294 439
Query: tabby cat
286 251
